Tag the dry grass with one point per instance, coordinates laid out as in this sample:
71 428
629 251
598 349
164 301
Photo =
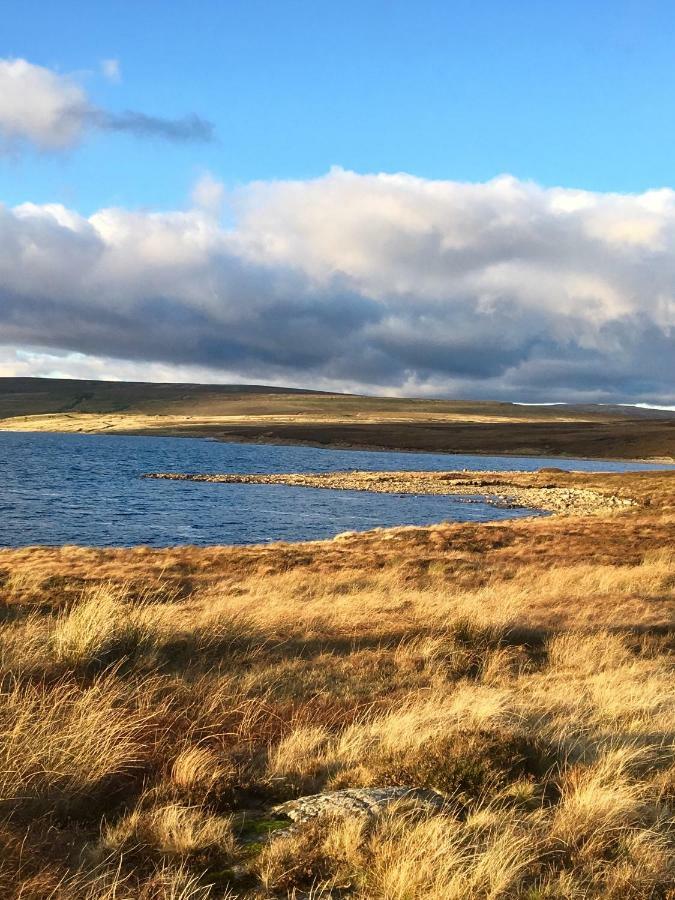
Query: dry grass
154 706
100 629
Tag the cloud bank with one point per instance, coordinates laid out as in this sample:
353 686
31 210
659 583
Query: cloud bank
376 282
52 112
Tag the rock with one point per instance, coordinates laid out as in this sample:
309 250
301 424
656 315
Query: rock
358 801
511 490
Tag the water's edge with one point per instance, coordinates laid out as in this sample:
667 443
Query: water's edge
87 489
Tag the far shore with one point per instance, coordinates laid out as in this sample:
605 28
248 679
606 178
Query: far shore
648 441
284 416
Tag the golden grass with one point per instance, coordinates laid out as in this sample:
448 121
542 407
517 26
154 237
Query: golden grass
155 705
68 755
101 628
172 831
109 423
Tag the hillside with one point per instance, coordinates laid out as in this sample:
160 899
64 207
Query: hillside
287 415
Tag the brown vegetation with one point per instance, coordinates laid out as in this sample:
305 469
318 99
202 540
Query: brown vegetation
156 705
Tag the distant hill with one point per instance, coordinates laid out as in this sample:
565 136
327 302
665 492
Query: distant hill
38 396
290 415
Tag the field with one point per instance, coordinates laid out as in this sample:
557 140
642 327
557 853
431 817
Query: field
157 705
258 413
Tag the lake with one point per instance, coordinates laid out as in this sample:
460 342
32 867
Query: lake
88 489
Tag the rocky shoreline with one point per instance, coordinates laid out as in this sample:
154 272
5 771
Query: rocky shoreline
505 489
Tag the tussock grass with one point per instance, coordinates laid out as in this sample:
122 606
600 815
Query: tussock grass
165 882
148 723
173 831
101 629
67 748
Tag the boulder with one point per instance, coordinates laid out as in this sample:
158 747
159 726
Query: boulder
358 801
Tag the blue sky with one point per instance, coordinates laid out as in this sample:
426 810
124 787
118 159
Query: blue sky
572 94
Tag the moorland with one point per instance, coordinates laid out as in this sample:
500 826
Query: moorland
158 706
253 413
501 694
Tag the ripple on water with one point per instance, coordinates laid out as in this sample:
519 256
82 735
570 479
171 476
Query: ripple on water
87 489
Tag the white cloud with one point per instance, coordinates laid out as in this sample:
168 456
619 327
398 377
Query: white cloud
39 106
33 363
208 194
654 406
383 282
111 70
52 112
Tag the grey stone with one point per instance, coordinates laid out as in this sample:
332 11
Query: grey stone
357 801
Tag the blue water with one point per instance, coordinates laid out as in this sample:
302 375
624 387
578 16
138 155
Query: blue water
88 489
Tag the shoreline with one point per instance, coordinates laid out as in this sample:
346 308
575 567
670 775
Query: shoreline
534 453
381 448
342 423
507 490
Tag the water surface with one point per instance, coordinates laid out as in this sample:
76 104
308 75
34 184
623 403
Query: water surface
88 489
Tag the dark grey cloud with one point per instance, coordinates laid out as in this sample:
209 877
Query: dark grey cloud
188 129
51 112
393 283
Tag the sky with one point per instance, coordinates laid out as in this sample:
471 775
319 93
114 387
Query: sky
462 199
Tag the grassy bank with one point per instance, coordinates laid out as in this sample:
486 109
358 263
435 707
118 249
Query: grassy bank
157 705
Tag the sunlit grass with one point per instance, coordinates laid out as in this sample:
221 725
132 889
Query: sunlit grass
149 726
